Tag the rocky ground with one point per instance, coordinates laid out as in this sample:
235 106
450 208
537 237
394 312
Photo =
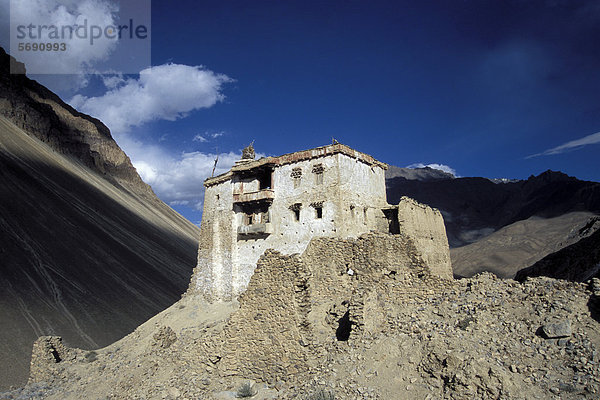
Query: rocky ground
480 337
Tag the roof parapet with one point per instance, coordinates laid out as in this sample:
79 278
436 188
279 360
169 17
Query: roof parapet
297 156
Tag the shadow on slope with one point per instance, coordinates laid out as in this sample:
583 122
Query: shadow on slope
79 257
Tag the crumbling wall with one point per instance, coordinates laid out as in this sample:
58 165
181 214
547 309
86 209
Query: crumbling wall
47 353
297 307
263 340
425 226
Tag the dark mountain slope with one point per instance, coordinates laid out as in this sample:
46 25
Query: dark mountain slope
87 251
475 207
578 262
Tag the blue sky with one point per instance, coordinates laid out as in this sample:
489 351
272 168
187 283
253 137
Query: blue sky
488 88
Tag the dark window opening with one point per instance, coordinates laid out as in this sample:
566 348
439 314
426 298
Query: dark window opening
392 217
55 354
319 212
296 210
264 179
254 213
342 333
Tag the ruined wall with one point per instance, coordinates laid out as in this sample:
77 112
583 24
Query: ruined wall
215 249
425 226
297 307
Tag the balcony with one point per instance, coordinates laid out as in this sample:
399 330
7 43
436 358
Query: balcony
260 195
255 229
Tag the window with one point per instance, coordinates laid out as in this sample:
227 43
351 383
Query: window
253 213
264 179
296 210
319 212
318 171
318 206
296 175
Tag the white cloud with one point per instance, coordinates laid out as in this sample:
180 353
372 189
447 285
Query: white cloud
200 138
168 91
440 167
176 179
80 55
203 138
572 145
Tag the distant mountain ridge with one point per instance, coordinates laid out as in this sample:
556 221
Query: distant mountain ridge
419 174
475 207
87 250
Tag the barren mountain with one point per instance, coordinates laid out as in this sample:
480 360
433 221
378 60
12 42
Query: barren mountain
476 207
577 262
87 251
522 243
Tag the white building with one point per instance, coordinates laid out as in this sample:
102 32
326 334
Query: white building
281 203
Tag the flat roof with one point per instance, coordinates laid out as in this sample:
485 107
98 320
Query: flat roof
290 158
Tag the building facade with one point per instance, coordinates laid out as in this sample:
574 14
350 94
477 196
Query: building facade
282 203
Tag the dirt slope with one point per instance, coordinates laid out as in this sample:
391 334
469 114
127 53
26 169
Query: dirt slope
87 250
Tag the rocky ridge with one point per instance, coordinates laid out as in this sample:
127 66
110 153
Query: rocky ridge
578 262
522 244
43 115
476 207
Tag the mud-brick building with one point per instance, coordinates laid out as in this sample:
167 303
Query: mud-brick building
282 203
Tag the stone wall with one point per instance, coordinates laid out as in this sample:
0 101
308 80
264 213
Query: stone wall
215 251
297 307
425 226
47 353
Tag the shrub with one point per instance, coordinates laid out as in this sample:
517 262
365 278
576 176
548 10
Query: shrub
246 390
90 356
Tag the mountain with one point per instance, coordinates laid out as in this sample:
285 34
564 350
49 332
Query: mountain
87 250
522 243
577 262
419 174
476 207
